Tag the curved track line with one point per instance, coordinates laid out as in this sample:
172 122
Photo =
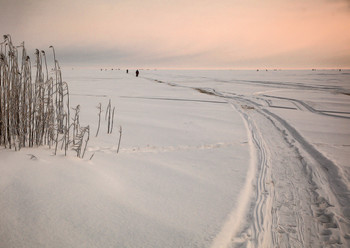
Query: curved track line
311 109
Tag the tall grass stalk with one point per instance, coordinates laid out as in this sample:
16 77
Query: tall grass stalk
34 109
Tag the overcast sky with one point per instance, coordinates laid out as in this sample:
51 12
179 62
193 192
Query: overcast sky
184 33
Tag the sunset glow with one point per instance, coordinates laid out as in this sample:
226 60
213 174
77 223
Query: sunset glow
185 34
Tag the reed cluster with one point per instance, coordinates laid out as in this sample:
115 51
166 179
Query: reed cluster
34 106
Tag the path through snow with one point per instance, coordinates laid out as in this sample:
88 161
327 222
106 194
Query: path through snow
301 198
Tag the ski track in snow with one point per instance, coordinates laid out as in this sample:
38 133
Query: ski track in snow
300 199
288 184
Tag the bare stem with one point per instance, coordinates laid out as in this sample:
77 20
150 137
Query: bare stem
120 137
99 107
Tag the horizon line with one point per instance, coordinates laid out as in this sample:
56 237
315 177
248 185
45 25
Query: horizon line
209 69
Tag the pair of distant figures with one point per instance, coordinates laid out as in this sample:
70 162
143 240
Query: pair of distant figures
137 72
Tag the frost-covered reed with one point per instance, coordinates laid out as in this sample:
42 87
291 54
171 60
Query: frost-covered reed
34 106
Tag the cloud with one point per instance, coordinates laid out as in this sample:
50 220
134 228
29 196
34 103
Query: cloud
179 33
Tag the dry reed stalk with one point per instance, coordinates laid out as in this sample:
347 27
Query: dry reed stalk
99 107
112 120
32 112
120 137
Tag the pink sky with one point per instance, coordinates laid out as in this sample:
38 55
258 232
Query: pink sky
185 34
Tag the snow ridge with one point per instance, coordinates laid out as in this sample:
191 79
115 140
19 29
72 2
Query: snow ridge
236 217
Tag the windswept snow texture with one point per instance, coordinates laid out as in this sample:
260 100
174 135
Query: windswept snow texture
207 159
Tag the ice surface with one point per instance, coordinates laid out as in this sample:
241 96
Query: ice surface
207 159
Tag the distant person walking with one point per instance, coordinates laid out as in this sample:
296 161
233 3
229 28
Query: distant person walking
127 70
137 73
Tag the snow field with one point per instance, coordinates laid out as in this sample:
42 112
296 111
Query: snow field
280 107
207 159
178 175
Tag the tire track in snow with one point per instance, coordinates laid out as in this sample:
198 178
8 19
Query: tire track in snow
261 227
322 189
282 216
299 208
331 200
319 220
266 215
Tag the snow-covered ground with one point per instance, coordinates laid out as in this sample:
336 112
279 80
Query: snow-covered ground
207 159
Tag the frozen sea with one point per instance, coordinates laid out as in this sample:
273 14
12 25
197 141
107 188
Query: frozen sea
207 159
